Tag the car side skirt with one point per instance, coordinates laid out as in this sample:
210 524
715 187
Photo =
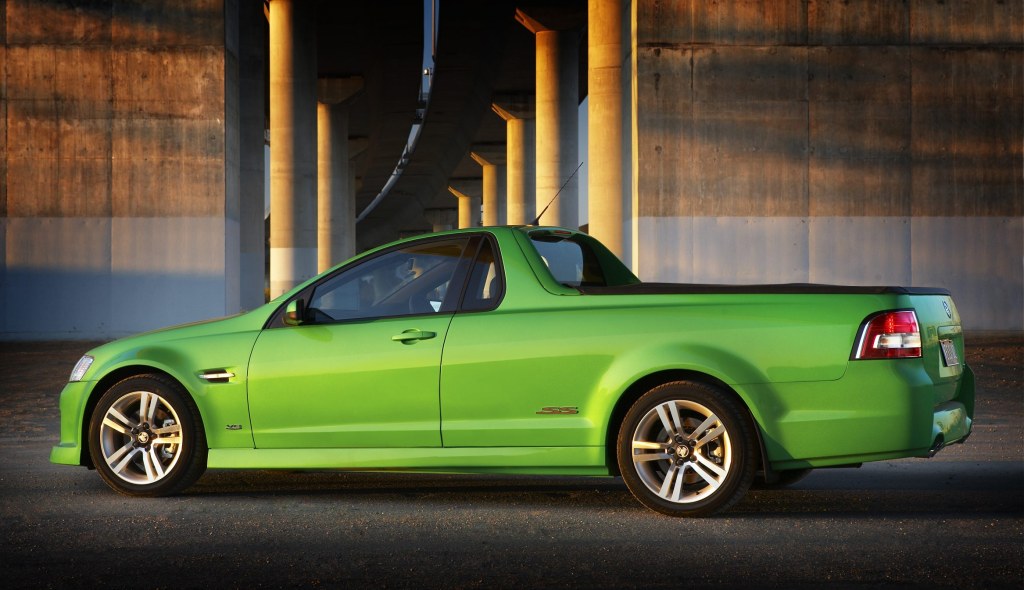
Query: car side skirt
521 460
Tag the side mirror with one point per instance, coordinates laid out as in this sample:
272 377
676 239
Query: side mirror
295 312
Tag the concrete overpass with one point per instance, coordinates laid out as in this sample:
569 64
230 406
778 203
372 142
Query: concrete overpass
791 141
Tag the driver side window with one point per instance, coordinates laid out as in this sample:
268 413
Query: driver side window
411 281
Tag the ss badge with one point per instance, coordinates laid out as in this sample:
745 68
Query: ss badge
559 410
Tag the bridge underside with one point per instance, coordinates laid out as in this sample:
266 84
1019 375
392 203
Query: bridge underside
792 141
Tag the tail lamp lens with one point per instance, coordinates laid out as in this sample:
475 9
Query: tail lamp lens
890 335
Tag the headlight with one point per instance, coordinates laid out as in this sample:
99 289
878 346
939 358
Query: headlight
81 367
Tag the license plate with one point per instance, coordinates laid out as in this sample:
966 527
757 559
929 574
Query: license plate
949 356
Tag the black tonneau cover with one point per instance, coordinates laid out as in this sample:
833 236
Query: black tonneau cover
784 289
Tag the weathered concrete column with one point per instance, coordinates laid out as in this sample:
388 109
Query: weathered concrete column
606 204
293 210
501 184
557 104
252 109
494 175
356 146
520 161
469 208
336 199
336 204
441 219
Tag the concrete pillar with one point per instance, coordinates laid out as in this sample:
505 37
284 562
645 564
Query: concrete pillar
520 162
607 207
441 219
293 209
336 199
356 146
336 202
494 179
252 35
557 104
501 182
469 208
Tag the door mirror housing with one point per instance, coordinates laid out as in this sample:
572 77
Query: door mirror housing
295 312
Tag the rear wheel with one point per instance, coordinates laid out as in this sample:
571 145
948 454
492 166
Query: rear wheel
685 449
146 437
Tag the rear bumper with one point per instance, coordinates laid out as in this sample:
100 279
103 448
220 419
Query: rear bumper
879 410
952 420
951 425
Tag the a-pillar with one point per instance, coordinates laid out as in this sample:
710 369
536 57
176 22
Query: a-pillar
293 211
557 105
336 200
469 206
493 165
520 161
441 218
607 207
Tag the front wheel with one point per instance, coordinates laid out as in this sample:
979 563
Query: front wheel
146 437
685 449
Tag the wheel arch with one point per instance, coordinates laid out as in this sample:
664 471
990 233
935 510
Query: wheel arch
636 389
103 385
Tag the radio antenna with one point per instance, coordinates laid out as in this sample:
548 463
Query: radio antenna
541 214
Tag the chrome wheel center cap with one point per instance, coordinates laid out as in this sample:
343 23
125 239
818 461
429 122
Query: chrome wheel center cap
682 451
143 438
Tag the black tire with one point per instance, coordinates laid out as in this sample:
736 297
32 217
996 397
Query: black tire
153 452
704 466
783 479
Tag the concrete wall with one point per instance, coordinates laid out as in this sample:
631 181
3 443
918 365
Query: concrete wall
851 141
119 209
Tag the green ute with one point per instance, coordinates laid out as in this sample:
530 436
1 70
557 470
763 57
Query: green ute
529 350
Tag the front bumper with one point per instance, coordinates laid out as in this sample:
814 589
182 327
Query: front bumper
72 409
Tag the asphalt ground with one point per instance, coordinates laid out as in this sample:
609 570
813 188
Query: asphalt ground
953 521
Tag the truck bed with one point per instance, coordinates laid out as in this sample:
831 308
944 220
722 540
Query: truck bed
780 289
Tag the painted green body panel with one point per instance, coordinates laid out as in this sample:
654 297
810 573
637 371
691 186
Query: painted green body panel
524 460
590 351
879 409
347 385
183 353
72 409
474 397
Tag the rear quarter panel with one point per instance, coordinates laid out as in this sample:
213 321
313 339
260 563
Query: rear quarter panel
500 368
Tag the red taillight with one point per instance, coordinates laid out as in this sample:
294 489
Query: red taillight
890 335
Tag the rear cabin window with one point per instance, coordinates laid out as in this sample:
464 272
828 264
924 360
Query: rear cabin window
573 263
485 286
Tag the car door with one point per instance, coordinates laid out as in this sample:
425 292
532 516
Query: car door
362 367
518 368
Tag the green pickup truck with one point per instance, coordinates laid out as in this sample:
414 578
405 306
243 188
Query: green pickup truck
529 350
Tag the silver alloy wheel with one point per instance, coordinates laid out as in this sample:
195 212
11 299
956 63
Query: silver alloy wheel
140 437
682 452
